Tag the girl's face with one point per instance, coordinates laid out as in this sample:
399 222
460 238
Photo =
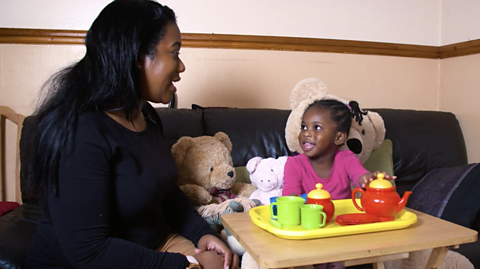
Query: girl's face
159 72
318 135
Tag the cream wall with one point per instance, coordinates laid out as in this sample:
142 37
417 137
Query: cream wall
266 78
460 92
460 76
406 21
23 69
244 78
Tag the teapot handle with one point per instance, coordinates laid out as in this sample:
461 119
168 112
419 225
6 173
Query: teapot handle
354 200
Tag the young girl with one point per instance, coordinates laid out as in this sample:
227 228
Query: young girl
325 125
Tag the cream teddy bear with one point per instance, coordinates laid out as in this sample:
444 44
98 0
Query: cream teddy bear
366 133
365 136
267 175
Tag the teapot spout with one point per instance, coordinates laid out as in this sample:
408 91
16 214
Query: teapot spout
403 201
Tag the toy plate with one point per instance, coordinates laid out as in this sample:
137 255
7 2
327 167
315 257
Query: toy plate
260 216
356 218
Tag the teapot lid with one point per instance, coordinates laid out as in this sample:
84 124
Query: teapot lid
380 182
319 193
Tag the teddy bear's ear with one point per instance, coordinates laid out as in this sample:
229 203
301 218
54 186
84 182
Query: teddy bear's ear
281 160
378 126
310 88
181 147
303 94
334 97
253 163
223 137
292 128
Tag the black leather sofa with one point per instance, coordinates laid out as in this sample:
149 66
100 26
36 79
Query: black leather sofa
422 142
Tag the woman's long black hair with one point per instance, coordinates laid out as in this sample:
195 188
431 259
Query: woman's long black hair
105 78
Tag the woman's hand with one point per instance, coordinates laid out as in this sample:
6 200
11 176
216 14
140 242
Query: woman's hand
209 259
365 179
212 253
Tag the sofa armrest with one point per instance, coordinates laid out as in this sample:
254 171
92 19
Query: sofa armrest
452 194
422 142
16 230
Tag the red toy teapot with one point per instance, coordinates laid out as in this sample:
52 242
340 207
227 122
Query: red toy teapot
322 197
381 199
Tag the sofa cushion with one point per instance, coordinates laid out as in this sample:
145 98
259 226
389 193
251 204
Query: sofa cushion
253 131
16 230
198 107
242 175
381 158
180 122
6 207
422 141
451 193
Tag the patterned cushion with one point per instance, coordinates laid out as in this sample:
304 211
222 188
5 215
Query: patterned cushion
450 193
7 207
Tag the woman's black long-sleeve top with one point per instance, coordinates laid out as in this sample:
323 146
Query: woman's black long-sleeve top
116 201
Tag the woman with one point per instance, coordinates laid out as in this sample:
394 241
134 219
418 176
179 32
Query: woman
105 175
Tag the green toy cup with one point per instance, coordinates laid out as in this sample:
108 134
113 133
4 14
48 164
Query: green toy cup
312 216
288 210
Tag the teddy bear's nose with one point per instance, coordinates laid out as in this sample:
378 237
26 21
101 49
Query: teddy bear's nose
230 174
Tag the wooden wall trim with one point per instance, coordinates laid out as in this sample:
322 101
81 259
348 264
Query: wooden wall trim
77 37
41 36
307 44
460 49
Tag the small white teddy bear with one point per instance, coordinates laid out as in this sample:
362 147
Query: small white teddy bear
267 175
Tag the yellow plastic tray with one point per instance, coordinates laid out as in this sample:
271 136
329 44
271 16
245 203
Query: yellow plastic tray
260 215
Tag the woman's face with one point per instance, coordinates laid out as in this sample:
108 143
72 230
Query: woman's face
159 72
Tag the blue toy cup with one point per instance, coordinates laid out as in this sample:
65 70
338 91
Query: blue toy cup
273 200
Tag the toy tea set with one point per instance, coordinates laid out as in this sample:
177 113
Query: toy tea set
379 208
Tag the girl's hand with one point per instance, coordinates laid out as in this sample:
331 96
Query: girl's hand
212 253
365 179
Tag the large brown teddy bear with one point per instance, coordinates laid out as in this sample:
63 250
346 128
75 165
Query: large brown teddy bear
366 133
205 169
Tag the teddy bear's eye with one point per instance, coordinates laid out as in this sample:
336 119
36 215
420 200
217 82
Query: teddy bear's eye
363 132
211 169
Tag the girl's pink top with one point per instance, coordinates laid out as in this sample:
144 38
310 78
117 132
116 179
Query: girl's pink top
299 176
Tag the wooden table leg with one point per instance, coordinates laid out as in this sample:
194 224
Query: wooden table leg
437 257
378 265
